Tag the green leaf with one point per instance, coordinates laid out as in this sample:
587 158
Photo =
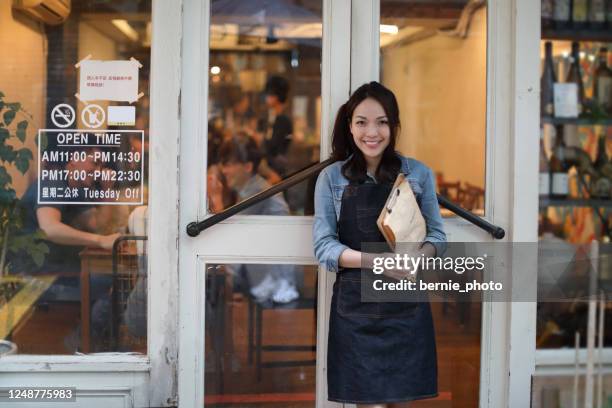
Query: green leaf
7 196
2 95
8 117
14 106
21 130
22 161
5 178
43 142
4 134
7 153
38 253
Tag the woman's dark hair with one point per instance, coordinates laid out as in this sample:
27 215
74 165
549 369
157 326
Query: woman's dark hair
240 149
343 145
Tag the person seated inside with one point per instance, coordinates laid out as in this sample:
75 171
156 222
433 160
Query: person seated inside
68 228
239 159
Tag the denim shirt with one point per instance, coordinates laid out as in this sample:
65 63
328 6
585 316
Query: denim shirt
328 199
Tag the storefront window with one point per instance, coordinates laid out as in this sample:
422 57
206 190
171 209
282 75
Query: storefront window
575 187
264 99
433 56
74 118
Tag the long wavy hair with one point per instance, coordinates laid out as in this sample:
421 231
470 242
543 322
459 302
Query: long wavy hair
344 147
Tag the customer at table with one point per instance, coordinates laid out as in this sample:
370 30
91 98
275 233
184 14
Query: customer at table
68 228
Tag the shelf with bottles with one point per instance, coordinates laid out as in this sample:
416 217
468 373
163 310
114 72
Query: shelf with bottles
577 121
575 169
576 85
581 35
577 20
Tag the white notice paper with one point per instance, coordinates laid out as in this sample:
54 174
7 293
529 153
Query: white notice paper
121 115
108 80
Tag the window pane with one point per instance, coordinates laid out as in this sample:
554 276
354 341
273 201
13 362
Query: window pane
575 193
264 98
433 56
74 111
261 330
575 186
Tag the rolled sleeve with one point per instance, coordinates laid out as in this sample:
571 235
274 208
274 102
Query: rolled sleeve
431 212
327 247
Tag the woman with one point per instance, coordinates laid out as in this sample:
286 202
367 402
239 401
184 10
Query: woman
379 354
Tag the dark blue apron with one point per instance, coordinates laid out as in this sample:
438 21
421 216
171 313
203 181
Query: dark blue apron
377 352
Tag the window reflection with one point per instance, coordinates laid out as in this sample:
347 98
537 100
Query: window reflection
67 284
260 350
265 90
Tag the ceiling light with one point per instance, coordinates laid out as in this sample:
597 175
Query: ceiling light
215 70
126 29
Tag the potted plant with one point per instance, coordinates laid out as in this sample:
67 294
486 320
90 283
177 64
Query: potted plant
14 155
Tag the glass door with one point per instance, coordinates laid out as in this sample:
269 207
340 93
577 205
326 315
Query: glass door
261 82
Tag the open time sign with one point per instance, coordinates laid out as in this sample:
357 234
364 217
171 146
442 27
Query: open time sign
90 167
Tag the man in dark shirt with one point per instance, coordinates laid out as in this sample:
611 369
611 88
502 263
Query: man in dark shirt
68 228
279 135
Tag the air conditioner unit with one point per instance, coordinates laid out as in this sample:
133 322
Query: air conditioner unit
51 12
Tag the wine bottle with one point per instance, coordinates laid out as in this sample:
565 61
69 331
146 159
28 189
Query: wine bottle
575 75
544 181
580 13
602 82
562 14
602 185
547 14
547 83
559 186
597 14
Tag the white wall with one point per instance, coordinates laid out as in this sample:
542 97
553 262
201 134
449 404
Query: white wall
23 66
440 83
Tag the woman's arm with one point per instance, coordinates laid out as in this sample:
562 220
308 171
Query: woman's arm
49 220
433 219
327 247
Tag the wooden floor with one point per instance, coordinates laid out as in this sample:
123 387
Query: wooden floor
458 361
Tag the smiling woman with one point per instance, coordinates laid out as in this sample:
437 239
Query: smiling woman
362 333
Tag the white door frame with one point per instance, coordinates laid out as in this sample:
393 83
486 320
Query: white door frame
120 379
228 241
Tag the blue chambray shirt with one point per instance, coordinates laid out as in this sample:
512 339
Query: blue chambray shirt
328 199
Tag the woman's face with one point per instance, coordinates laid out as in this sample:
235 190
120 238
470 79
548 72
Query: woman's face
370 129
